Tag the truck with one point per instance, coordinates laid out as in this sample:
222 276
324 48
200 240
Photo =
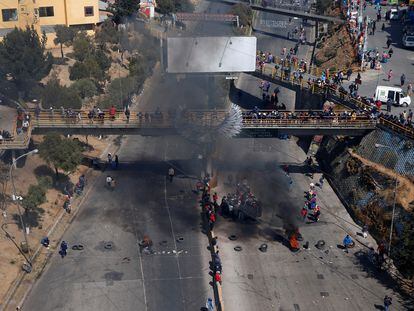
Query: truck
396 94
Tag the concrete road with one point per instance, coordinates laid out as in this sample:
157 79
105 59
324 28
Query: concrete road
143 203
278 279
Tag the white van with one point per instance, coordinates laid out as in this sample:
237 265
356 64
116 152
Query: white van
408 40
396 94
394 14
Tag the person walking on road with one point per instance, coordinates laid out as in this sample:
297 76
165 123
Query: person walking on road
390 52
321 180
365 231
116 161
402 80
389 41
109 180
374 27
347 243
389 75
387 302
63 249
304 213
389 104
171 174
348 74
383 27
109 158
409 89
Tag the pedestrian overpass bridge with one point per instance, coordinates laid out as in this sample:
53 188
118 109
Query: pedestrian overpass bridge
164 124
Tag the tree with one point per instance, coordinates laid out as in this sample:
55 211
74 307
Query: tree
244 12
103 61
62 153
84 88
183 6
137 66
121 9
23 60
165 6
56 96
82 46
64 36
87 69
404 251
107 33
119 91
34 197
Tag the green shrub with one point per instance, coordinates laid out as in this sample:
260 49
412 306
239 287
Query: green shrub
45 182
56 96
84 88
35 197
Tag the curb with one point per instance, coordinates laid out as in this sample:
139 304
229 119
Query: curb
218 292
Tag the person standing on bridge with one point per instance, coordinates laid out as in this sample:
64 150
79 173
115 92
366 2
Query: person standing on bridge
127 114
112 112
37 111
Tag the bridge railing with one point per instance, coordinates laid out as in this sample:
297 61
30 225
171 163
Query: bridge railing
146 119
359 123
343 97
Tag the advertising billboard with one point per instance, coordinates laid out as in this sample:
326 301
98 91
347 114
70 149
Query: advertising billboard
211 54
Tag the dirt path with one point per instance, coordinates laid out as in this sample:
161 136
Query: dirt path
405 189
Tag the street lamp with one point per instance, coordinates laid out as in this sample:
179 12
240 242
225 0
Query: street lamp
18 198
395 197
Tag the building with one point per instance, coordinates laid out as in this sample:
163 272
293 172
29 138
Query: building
44 15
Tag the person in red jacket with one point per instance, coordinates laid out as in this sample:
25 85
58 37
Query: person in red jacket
211 220
217 277
112 112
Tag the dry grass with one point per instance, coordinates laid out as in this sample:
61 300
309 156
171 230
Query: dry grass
336 51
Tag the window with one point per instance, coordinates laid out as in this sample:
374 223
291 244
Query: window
46 11
391 95
9 15
88 10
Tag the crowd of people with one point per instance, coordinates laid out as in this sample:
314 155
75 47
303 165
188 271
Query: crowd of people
303 116
311 210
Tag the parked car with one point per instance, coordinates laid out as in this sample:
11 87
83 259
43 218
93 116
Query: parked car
408 40
396 94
